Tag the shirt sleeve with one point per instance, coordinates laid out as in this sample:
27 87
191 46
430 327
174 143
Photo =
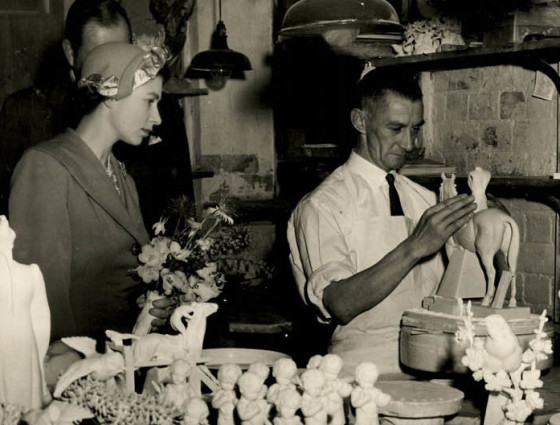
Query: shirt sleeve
39 216
319 253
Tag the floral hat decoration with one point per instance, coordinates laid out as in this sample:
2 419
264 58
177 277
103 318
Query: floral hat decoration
115 69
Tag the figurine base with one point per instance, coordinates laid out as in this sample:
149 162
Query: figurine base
446 305
506 312
463 277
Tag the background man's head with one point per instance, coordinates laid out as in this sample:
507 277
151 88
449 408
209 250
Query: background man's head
388 114
90 23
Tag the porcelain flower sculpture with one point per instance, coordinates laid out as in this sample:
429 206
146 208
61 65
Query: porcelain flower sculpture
510 376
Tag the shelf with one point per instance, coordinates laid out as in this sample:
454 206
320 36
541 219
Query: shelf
535 55
538 188
546 50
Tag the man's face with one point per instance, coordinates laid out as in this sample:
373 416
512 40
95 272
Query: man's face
94 35
391 130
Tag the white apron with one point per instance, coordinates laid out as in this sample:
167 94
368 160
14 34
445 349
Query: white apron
374 335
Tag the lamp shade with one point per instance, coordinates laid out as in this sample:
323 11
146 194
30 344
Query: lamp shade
317 17
220 62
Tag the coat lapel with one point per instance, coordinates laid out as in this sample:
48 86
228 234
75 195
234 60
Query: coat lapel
88 171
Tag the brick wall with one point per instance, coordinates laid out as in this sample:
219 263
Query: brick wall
489 117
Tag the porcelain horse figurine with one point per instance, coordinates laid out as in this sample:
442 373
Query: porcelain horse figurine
491 230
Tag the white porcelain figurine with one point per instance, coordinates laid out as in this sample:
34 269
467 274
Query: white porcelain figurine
24 328
225 398
335 389
313 403
365 397
252 409
285 372
287 404
178 390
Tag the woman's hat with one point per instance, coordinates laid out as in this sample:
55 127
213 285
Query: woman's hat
115 69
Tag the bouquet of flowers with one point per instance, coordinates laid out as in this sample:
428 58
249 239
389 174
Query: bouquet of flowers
186 265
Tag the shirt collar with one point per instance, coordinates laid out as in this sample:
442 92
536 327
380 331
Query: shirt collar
370 172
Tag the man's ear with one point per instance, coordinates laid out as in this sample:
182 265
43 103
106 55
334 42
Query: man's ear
358 118
68 52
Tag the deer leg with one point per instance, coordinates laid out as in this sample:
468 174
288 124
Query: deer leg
487 260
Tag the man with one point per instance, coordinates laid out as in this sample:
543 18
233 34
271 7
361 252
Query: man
364 244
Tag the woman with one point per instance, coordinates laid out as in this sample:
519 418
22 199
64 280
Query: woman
73 206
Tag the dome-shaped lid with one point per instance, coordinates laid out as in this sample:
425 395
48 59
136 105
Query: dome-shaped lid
313 17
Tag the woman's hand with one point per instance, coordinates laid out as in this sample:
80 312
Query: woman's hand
59 358
161 310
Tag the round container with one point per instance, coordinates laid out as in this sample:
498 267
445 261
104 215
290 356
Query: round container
428 342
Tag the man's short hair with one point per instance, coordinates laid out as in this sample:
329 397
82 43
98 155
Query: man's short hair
376 83
106 13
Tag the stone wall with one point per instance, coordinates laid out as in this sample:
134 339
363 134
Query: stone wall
489 117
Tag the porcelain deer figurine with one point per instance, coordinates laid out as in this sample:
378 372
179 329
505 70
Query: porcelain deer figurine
491 230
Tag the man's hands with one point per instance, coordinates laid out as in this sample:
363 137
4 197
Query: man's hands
439 223
161 310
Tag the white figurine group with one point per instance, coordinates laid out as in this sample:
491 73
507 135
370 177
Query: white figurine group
316 397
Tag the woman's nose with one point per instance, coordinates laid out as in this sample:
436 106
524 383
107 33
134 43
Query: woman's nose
156 117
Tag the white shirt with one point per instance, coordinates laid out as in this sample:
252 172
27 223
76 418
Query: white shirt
343 227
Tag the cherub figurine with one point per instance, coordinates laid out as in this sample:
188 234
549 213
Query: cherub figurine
225 398
312 402
196 412
365 397
178 390
24 328
252 408
314 362
262 370
284 371
335 389
288 401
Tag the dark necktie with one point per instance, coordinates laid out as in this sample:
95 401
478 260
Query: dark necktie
396 207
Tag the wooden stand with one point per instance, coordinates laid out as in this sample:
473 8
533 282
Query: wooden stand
463 279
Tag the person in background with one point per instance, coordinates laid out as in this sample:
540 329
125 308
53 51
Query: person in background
365 243
40 112
46 109
74 208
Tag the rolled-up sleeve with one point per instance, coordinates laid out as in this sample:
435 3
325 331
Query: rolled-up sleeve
319 254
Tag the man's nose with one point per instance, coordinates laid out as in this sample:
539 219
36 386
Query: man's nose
408 140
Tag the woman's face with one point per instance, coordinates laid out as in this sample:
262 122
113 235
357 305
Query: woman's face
134 116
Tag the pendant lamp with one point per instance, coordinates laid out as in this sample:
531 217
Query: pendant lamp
340 22
219 63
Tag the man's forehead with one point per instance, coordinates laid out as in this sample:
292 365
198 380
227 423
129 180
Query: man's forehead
394 106
95 34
